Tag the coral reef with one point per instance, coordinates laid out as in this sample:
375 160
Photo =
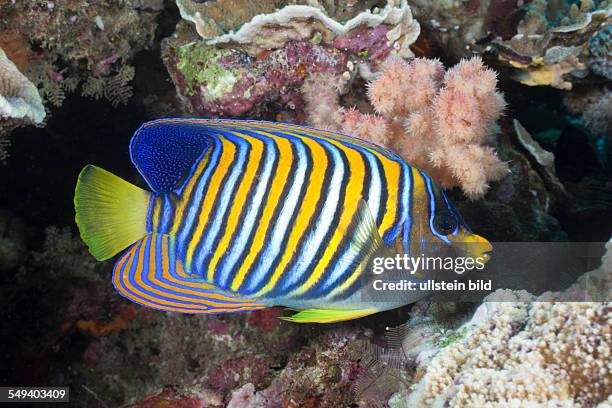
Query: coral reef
215 18
551 50
64 44
269 57
428 116
523 350
20 102
336 64
461 27
391 26
598 115
600 47
228 82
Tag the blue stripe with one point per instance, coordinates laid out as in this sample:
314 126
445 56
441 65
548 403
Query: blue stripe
196 202
210 237
248 223
166 214
305 260
407 203
432 208
255 279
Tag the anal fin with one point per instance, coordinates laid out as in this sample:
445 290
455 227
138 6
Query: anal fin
150 274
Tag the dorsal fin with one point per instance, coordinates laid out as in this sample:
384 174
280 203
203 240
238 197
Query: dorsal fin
150 274
164 151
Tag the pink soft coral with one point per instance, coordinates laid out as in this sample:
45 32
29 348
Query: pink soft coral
437 121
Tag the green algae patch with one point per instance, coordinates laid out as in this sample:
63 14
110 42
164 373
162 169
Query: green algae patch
452 337
200 64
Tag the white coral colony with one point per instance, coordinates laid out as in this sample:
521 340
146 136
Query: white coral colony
19 98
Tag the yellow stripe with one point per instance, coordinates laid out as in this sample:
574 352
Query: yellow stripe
353 192
156 213
239 200
205 298
186 193
391 169
273 200
392 172
306 211
227 158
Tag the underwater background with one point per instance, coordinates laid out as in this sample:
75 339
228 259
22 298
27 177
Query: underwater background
507 103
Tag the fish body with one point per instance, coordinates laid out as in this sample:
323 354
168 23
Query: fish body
249 214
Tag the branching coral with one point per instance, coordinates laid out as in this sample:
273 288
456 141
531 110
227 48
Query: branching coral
442 122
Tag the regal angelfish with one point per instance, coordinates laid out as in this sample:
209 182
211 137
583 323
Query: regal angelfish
244 215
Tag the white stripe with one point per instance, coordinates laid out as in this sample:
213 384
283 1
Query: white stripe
315 238
375 186
210 239
249 220
196 203
274 246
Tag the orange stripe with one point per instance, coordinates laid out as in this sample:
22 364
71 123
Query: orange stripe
166 275
121 280
276 188
225 161
151 276
306 211
238 200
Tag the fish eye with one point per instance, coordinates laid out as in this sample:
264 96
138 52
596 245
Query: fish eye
445 223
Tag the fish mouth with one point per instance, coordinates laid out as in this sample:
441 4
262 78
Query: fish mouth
476 247
480 248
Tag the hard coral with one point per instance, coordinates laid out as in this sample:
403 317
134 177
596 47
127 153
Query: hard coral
20 102
260 26
522 350
553 41
103 38
600 47
19 98
440 122
598 115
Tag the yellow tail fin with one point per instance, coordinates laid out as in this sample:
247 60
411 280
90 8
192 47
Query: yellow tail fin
110 212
